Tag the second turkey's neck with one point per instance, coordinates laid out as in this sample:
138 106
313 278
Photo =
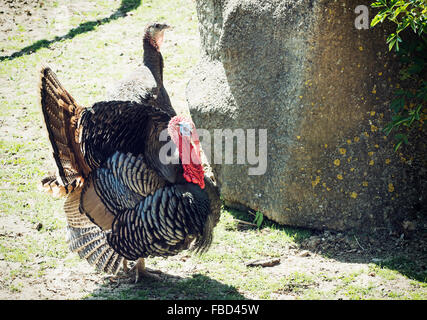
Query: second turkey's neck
153 60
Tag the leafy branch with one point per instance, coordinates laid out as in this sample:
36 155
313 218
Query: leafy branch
404 13
409 105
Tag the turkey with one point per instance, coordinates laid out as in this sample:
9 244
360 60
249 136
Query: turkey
123 201
146 83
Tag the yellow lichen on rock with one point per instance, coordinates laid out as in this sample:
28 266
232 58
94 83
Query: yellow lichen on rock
315 182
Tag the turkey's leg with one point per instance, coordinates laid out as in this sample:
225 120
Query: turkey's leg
125 266
125 269
142 272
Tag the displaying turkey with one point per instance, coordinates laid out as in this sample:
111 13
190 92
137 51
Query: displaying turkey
146 82
123 201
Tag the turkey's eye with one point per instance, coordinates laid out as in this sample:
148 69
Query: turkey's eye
185 129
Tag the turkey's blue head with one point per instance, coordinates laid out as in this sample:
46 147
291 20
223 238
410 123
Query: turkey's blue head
183 133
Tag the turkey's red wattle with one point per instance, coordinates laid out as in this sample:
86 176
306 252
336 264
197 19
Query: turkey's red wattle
189 152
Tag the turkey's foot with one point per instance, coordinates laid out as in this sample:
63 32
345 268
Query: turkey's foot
142 272
122 275
153 271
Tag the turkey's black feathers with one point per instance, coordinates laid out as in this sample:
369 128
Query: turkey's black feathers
127 127
149 219
122 201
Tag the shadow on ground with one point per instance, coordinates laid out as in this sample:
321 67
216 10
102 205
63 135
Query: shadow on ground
170 287
404 252
125 7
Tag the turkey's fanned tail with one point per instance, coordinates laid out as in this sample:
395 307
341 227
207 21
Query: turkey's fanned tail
61 115
87 239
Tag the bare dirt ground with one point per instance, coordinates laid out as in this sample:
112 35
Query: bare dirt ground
324 262
319 267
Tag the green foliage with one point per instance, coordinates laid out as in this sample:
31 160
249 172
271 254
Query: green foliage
259 217
409 106
405 14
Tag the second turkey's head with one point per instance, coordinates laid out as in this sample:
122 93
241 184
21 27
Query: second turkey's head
154 33
183 133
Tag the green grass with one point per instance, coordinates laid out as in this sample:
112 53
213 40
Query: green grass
405 266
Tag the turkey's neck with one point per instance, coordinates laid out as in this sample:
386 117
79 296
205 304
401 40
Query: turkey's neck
153 60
